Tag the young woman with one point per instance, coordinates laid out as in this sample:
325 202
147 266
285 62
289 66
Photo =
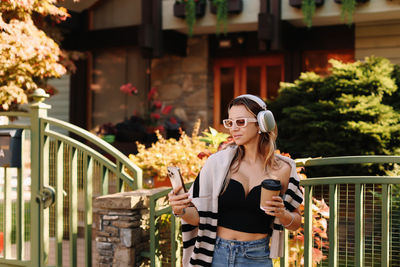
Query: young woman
223 224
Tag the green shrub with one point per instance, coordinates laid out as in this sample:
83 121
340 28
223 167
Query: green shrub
353 111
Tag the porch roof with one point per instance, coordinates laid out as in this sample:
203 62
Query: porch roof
77 6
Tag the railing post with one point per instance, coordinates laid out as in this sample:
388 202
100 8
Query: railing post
333 224
308 237
359 225
59 208
385 217
38 110
7 211
284 261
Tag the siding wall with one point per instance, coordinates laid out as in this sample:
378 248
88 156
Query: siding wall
379 39
117 13
60 101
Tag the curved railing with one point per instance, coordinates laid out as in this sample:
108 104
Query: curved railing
353 202
87 171
77 171
121 160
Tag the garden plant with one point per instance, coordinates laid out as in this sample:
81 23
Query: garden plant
29 55
353 111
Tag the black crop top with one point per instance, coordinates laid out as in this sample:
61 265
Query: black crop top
240 213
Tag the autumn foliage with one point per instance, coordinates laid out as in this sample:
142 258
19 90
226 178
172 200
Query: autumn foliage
183 153
27 55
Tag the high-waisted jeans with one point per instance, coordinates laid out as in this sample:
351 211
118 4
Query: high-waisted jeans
232 253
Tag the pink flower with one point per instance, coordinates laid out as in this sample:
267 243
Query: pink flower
157 104
155 116
152 93
173 120
166 110
128 89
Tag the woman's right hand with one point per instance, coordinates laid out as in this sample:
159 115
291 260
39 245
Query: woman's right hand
178 202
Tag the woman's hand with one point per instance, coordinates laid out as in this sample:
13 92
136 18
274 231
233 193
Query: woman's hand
275 207
178 202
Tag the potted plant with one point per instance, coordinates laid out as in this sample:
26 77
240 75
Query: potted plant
233 6
190 10
222 8
307 8
297 3
347 9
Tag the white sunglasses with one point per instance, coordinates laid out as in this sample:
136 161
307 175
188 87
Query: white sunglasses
239 122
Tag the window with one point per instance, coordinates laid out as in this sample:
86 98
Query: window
318 61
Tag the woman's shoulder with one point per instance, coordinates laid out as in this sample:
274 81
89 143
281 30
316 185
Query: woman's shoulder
287 160
284 167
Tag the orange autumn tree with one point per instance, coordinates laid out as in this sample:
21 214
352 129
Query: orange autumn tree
27 55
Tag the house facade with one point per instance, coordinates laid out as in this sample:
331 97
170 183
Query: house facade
145 43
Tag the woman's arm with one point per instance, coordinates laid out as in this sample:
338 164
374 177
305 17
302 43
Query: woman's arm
182 207
276 207
290 220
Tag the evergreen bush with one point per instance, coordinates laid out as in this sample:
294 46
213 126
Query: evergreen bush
353 111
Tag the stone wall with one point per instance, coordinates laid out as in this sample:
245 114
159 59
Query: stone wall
183 82
121 228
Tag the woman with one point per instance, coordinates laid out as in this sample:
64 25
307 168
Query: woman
223 224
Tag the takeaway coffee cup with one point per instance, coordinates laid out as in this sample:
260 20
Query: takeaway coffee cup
269 188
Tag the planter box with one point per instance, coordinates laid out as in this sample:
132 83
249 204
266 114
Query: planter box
358 1
297 3
234 7
180 9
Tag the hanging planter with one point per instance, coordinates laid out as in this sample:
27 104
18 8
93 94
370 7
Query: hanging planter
307 8
181 6
297 3
358 1
234 6
347 9
222 8
190 10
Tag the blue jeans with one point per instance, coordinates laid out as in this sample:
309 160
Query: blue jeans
232 253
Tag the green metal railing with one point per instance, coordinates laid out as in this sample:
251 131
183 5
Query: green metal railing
357 217
75 172
360 183
158 208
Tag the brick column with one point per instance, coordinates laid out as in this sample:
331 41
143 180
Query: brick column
121 227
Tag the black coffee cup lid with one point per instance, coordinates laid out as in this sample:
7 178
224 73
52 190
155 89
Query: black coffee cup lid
271 184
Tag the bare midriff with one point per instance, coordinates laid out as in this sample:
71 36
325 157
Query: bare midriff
229 234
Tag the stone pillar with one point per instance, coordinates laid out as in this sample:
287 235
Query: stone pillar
184 83
121 227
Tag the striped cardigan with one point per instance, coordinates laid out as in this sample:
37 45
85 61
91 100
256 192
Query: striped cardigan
199 241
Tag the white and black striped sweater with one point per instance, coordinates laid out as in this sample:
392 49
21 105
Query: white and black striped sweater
199 241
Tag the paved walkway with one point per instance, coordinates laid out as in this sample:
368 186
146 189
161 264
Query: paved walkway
52 255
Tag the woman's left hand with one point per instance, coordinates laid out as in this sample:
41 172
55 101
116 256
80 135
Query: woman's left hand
275 207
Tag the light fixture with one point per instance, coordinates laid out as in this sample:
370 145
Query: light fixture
225 43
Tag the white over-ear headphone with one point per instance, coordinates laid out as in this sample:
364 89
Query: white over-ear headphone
265 118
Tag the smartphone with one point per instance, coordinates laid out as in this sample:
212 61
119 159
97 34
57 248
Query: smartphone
175 176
